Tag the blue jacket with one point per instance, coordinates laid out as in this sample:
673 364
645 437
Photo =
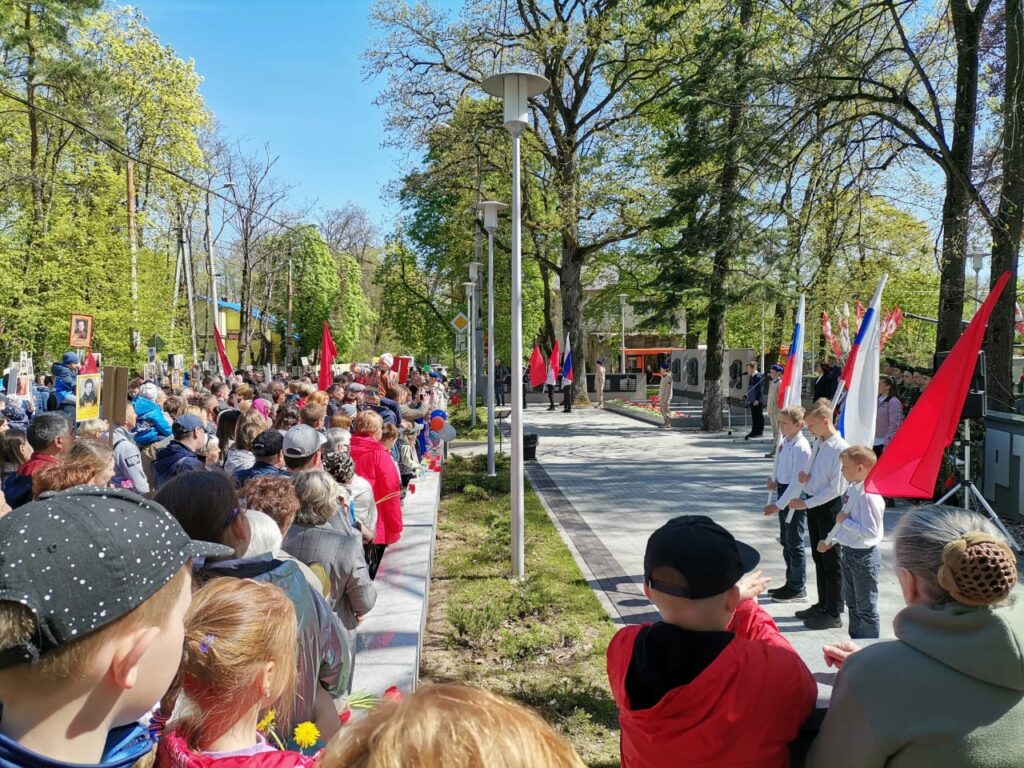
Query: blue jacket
174 459
42 395
259 469
16 416
151 422
125 746
63 383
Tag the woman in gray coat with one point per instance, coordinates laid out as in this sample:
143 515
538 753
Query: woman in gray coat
323 538
949 691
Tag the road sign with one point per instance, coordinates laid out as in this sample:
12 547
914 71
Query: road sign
460 322
460 342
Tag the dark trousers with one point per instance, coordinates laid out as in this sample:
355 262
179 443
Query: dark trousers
550 389
373 552
792 536
499 393
757 418
827 571
567 398
861 569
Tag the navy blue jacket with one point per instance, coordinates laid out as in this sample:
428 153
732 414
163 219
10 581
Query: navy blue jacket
259 469
755 390
173 459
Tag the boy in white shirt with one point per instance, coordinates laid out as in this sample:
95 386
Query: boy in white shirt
794 457
858 531
823 489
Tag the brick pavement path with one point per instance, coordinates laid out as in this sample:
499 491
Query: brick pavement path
609 481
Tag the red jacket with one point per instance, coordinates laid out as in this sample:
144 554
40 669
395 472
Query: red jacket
174 752
742 710
37 462
374 464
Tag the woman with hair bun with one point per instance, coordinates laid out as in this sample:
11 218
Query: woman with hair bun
949 690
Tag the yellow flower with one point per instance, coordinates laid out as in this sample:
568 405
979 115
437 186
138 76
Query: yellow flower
306 734
266 722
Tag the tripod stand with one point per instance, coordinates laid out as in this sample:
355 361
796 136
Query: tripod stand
971 491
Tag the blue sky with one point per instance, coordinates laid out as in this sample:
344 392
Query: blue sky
289 72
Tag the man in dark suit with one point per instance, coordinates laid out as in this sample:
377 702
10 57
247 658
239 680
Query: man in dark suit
755 400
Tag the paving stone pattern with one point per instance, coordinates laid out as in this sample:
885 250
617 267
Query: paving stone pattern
611 480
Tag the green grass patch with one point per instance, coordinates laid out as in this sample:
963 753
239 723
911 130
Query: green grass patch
458 417
541 641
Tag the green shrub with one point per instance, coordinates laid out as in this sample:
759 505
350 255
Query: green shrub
475 492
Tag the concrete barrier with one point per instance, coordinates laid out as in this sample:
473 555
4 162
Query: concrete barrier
391 636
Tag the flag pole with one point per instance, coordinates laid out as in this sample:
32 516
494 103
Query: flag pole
877 298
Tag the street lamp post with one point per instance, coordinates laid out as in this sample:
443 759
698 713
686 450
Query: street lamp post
515 89
470 286
622 339
474 358
490 209
977 261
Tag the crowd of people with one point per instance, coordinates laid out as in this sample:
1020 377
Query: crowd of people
185 589
242 520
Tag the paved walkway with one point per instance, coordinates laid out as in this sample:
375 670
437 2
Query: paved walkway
610 481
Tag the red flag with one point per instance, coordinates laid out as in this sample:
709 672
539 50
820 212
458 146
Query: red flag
90 366
327 353
830 337
537 372
555 361
910 463
222 353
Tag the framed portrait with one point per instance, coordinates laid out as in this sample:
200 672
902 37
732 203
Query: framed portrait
80 336
88 391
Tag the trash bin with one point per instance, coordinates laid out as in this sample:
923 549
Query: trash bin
530 446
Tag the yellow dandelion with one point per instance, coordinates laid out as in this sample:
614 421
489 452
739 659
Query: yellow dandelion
306 735
266 722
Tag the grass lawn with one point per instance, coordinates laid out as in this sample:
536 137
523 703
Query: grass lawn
458 417
542 641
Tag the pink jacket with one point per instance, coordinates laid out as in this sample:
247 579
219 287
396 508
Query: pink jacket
888 418
375 465
174 752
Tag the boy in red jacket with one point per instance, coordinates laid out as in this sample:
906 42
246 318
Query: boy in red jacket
714 683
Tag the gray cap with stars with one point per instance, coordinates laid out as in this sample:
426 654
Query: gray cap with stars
84 557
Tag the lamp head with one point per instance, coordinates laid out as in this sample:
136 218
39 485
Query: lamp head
515 88
491 209
977 261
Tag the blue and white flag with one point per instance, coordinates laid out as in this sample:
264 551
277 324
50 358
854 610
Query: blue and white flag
860 377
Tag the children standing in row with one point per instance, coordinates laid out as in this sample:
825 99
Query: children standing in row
858 531
823 487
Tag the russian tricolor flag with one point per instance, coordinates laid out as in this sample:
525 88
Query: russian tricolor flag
860 377
567 363
793 375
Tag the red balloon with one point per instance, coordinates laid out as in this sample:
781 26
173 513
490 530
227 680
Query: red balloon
437 423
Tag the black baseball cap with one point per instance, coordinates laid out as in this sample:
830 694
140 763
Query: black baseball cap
705 557
82 558
268 443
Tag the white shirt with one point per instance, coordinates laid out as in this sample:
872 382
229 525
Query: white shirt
863 528
826 473
794 458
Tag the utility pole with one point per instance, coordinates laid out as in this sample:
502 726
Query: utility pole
290 339
177 281
133 254
190 294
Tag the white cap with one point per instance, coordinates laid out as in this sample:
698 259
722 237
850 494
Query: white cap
387 358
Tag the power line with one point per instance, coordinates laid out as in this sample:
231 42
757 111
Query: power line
151 164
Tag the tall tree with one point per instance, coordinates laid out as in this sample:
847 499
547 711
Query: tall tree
257 198
590 51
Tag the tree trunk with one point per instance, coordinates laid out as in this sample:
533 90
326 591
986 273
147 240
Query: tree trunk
35 163
726 238
548 338
244 301
1007 232
957 202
